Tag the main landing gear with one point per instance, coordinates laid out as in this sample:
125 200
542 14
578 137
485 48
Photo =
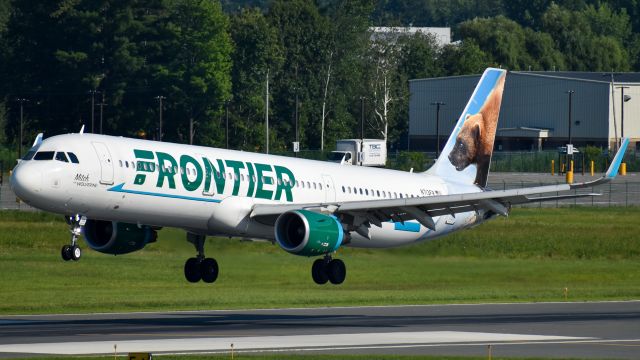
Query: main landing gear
328 269
73 252
200 267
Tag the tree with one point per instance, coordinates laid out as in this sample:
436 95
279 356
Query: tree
256 51
464 58
193 70
303 34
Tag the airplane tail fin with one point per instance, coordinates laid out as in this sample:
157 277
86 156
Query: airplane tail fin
467 154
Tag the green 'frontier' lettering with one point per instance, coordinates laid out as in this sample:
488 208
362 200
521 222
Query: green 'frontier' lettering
251 179
236 166
260 192
166 171
284 184
188 184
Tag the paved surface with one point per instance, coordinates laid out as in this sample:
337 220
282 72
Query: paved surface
582 330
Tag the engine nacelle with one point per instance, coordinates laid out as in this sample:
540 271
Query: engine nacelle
308 233
117 238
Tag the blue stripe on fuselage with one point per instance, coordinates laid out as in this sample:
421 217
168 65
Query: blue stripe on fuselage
120 188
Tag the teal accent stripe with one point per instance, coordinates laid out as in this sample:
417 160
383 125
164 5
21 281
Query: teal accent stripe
407 226
120 188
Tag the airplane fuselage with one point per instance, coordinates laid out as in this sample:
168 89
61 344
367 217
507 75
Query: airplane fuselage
212 191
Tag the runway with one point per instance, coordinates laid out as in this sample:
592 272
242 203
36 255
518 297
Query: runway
579 330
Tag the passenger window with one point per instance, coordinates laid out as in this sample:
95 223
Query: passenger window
343 189
378 192
360 191
60 156
73 158
44 155
366 191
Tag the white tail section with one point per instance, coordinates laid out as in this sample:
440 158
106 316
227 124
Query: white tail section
467 155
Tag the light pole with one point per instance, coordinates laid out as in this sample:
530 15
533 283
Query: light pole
102 105
21 101
160 98
93 104
623 99
437 105
570 92
362 98
226 104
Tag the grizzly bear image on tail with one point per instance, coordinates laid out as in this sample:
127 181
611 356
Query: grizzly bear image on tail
474 143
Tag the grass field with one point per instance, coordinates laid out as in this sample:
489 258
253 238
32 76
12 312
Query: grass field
531 256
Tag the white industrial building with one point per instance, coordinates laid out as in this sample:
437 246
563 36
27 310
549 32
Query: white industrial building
442 35
535 109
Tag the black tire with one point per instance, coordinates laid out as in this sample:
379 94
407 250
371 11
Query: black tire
192 270
75 253
318 272
66 252
336 271
209 270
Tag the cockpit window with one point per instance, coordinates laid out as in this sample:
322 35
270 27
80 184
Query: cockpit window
60 156
73 157
29 155
44 155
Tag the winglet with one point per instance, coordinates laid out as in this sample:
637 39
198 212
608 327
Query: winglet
617 160
611 172
82 130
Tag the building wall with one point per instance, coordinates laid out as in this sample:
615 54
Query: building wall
537 101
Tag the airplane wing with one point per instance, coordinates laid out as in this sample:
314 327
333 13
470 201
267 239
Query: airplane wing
423 209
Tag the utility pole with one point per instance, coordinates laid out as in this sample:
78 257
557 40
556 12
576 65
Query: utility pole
362 98
21 101
160 98
437 105
266 113
93 104
296 116
226 103
102 105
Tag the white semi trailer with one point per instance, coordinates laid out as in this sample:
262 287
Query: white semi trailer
362 152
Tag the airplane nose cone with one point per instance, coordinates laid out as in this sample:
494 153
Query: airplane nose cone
26 182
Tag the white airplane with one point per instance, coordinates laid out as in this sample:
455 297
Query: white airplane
117 192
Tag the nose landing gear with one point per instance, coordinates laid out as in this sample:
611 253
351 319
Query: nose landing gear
73 251
328 269
200 267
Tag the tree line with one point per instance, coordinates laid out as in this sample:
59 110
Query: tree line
66 62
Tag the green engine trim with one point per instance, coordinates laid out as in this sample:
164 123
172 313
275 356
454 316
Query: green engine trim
323 234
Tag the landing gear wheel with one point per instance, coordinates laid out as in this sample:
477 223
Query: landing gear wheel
336 271
66 252
192 270
318 272
209 270
76 253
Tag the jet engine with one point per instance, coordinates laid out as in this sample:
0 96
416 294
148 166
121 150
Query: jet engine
308 233
117 238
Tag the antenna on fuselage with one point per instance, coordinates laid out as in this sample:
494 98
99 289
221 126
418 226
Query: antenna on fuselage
82 130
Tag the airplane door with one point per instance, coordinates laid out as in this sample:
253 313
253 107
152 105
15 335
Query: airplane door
106 164
329 188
